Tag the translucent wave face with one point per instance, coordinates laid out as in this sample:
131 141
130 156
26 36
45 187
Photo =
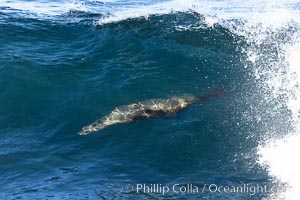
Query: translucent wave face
271 28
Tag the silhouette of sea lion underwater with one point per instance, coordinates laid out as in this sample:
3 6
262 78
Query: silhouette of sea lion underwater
148 109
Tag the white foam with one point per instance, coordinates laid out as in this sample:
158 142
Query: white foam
281 155
123 13
281 158
214 11
282 77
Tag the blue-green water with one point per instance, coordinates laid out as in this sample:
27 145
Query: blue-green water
58 75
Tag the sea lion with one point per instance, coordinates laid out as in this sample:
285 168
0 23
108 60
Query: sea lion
147 109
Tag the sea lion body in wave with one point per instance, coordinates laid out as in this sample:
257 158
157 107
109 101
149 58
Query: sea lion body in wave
144 110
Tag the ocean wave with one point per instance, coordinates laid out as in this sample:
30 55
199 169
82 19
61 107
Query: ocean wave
266 32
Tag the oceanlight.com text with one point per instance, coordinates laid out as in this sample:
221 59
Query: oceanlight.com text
163 189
